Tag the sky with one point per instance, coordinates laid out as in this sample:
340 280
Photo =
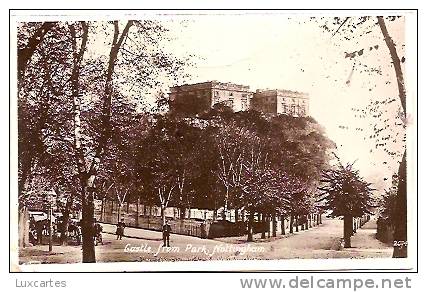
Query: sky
284 50
290 52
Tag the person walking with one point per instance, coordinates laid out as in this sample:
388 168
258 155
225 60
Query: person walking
166 233
120 229
98 232
39 231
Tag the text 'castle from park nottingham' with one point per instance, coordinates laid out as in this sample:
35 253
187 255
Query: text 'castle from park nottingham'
199 97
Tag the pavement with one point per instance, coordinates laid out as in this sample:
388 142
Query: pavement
322 241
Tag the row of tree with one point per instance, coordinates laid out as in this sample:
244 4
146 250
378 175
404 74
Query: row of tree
82 132
277 166
73 95
219 160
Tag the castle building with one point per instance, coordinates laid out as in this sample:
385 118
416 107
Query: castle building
200 97
278 101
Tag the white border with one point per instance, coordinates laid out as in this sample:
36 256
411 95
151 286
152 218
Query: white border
249 265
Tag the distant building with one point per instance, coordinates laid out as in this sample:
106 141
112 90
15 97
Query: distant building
279 101
199 97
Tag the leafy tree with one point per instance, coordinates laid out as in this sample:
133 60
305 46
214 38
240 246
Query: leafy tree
40 115
167 162
31 35
387 204
84 88
355 28
346 194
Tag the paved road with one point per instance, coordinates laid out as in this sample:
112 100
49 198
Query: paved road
319 242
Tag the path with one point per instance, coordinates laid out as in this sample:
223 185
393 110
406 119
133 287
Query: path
318 242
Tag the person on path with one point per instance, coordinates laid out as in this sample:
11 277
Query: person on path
120 229
166 233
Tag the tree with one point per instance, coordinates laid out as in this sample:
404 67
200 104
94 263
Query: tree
387 209
356 27
40 116
44 149
347 195
229 144
165 162
73 94
128 53
27 48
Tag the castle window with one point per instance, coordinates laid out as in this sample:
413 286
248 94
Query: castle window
285 109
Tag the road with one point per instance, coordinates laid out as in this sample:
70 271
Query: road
318 242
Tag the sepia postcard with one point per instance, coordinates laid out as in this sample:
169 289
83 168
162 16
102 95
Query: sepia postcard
213 140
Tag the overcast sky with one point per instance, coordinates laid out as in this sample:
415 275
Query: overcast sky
287 51
278 51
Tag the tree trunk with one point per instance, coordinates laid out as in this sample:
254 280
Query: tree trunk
119 211
137 213
64 226
25 54
236 215
282 224
250 226
354 225
348 230
296 223
320 218
102 209
400 218
86 177
274 225
400 249
291 224
88 244
264 221
149 216
163 215
224 211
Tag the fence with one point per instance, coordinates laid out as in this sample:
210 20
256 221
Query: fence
199 223
149 217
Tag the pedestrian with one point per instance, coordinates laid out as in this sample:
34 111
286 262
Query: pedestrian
39 231
120 229
98 232
166 233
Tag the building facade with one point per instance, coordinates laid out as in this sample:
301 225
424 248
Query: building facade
278 101
200 97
